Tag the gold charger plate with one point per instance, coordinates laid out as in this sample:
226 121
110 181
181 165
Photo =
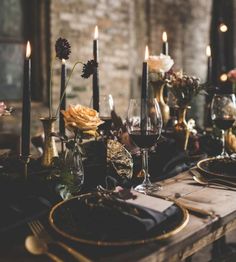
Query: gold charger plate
59 214
220 167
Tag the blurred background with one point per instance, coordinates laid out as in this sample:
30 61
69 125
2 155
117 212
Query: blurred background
125 27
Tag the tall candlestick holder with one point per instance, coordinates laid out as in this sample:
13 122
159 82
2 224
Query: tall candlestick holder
25 162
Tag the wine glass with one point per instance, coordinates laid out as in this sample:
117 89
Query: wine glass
106 106
144 124
223 114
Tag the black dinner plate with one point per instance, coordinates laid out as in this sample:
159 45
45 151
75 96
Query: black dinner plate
222 167
74 220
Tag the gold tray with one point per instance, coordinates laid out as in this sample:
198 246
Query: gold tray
206 166
62 228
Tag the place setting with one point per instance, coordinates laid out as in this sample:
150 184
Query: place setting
99 172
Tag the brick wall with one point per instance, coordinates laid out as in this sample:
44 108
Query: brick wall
75 20
124 28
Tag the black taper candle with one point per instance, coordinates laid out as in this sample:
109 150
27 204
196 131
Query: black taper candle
63 100
144 91
96 72
165 49
209 65
26 105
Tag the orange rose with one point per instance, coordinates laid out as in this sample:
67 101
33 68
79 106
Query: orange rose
81 117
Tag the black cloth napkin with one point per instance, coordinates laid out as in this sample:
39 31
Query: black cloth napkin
18 212
22 200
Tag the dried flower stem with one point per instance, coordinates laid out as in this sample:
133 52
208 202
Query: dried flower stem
50 87
63 94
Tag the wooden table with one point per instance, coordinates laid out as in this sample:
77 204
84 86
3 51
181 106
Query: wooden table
199 232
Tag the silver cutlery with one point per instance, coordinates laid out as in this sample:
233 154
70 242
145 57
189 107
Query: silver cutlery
38 230
37 246
212 181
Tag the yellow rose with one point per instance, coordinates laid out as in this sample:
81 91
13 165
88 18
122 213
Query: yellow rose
81 117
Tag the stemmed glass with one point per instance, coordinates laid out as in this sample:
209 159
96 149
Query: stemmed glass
223 114
144 124
106 106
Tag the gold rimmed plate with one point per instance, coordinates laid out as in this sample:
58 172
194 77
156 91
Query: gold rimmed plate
220 167
73 221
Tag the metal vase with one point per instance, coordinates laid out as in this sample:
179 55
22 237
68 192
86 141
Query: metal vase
50 149
181 129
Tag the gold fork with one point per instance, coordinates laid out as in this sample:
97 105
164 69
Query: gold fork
39 231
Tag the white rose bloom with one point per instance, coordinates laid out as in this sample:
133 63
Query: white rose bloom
160 64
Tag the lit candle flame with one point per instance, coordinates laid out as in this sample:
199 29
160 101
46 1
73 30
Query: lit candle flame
223 77
223 27
208 51
146 53
96 33
28 50
63 61
164 36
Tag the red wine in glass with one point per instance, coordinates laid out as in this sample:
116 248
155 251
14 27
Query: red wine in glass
144 139
223 123
144 124
223 115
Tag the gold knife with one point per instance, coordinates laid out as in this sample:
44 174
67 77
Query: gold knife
190 208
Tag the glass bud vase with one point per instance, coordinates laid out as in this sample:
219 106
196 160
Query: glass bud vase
158 87
181 129
49 148
74 164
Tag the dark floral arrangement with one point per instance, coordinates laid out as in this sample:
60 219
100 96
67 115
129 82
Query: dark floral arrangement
184 88
62 48
88 68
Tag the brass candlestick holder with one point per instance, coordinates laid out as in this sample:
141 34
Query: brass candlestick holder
25 161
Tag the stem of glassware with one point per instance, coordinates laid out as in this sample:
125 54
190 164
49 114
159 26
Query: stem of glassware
146 180
223 144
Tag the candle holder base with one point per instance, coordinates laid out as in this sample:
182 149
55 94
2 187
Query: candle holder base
25 161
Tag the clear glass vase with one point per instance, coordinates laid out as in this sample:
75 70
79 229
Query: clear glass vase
72 172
